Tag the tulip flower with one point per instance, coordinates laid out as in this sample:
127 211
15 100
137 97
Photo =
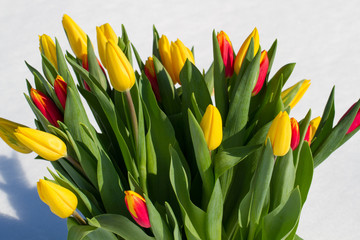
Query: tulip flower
304 86
174 56
46 145
310 133
356 123
211 125
46 106
137 207
62 202
227 53
76 36
121 73
244 47
280 134
295 134
264 65
104 33
48 48
7 130
150 74
60 88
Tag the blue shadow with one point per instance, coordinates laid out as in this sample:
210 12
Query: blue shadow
36 221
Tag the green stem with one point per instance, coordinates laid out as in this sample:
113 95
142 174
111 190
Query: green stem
78 218
133 117
76 164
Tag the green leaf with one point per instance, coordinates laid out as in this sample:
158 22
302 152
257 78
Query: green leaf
304 172
110 187
221 94
119 225
271 55
156 43
214 213
94 67
209 78
48 69
284 73
173 221
158 225
61 63
137 57
239 106
283 178
203 159
89 233
192 215
225 159
333 140
274 226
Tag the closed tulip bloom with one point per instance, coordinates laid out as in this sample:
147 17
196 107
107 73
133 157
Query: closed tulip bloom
264 65
121 73
46 106
104 33
62 202
179 54
211 125
76 36
227 53
137 207
7 130
150 74
310 133
280 134
46 145
164 50
356 123
295 134
244 47
60 88
48 48
303 88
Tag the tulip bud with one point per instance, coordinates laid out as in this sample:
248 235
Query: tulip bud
76 36
121 73
7 130
264 65
310 133
46 145
227 53
62 202
295 134
304 86
150 74
137 208
48 48
179 54
46 106
60 88
280 134
104 33
211 125
356 123
174 56
244 47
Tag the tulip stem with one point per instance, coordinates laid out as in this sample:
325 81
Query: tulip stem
133 116
78 218
76 164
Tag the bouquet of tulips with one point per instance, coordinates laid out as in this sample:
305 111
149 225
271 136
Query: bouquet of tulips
161 161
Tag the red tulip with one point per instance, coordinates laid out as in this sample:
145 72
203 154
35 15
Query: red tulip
295 134
227 53
137 208
150 74
356 123
264 65
60 88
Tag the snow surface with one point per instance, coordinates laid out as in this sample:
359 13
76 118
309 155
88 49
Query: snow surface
322 37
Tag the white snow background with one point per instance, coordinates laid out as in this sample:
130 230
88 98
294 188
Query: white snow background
322 37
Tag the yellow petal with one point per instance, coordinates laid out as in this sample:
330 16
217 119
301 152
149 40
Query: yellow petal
76 36
244 47
48 48
7 130
211 125
48 146
164 50
280 134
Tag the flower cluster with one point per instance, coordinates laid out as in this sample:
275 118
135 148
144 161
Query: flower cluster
168 161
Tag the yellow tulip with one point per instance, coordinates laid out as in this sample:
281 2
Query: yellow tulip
305 84
280 134
173 57
62 202
121 73
244 47
76 36
7 130
48 48
211 125
48 146
104 33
